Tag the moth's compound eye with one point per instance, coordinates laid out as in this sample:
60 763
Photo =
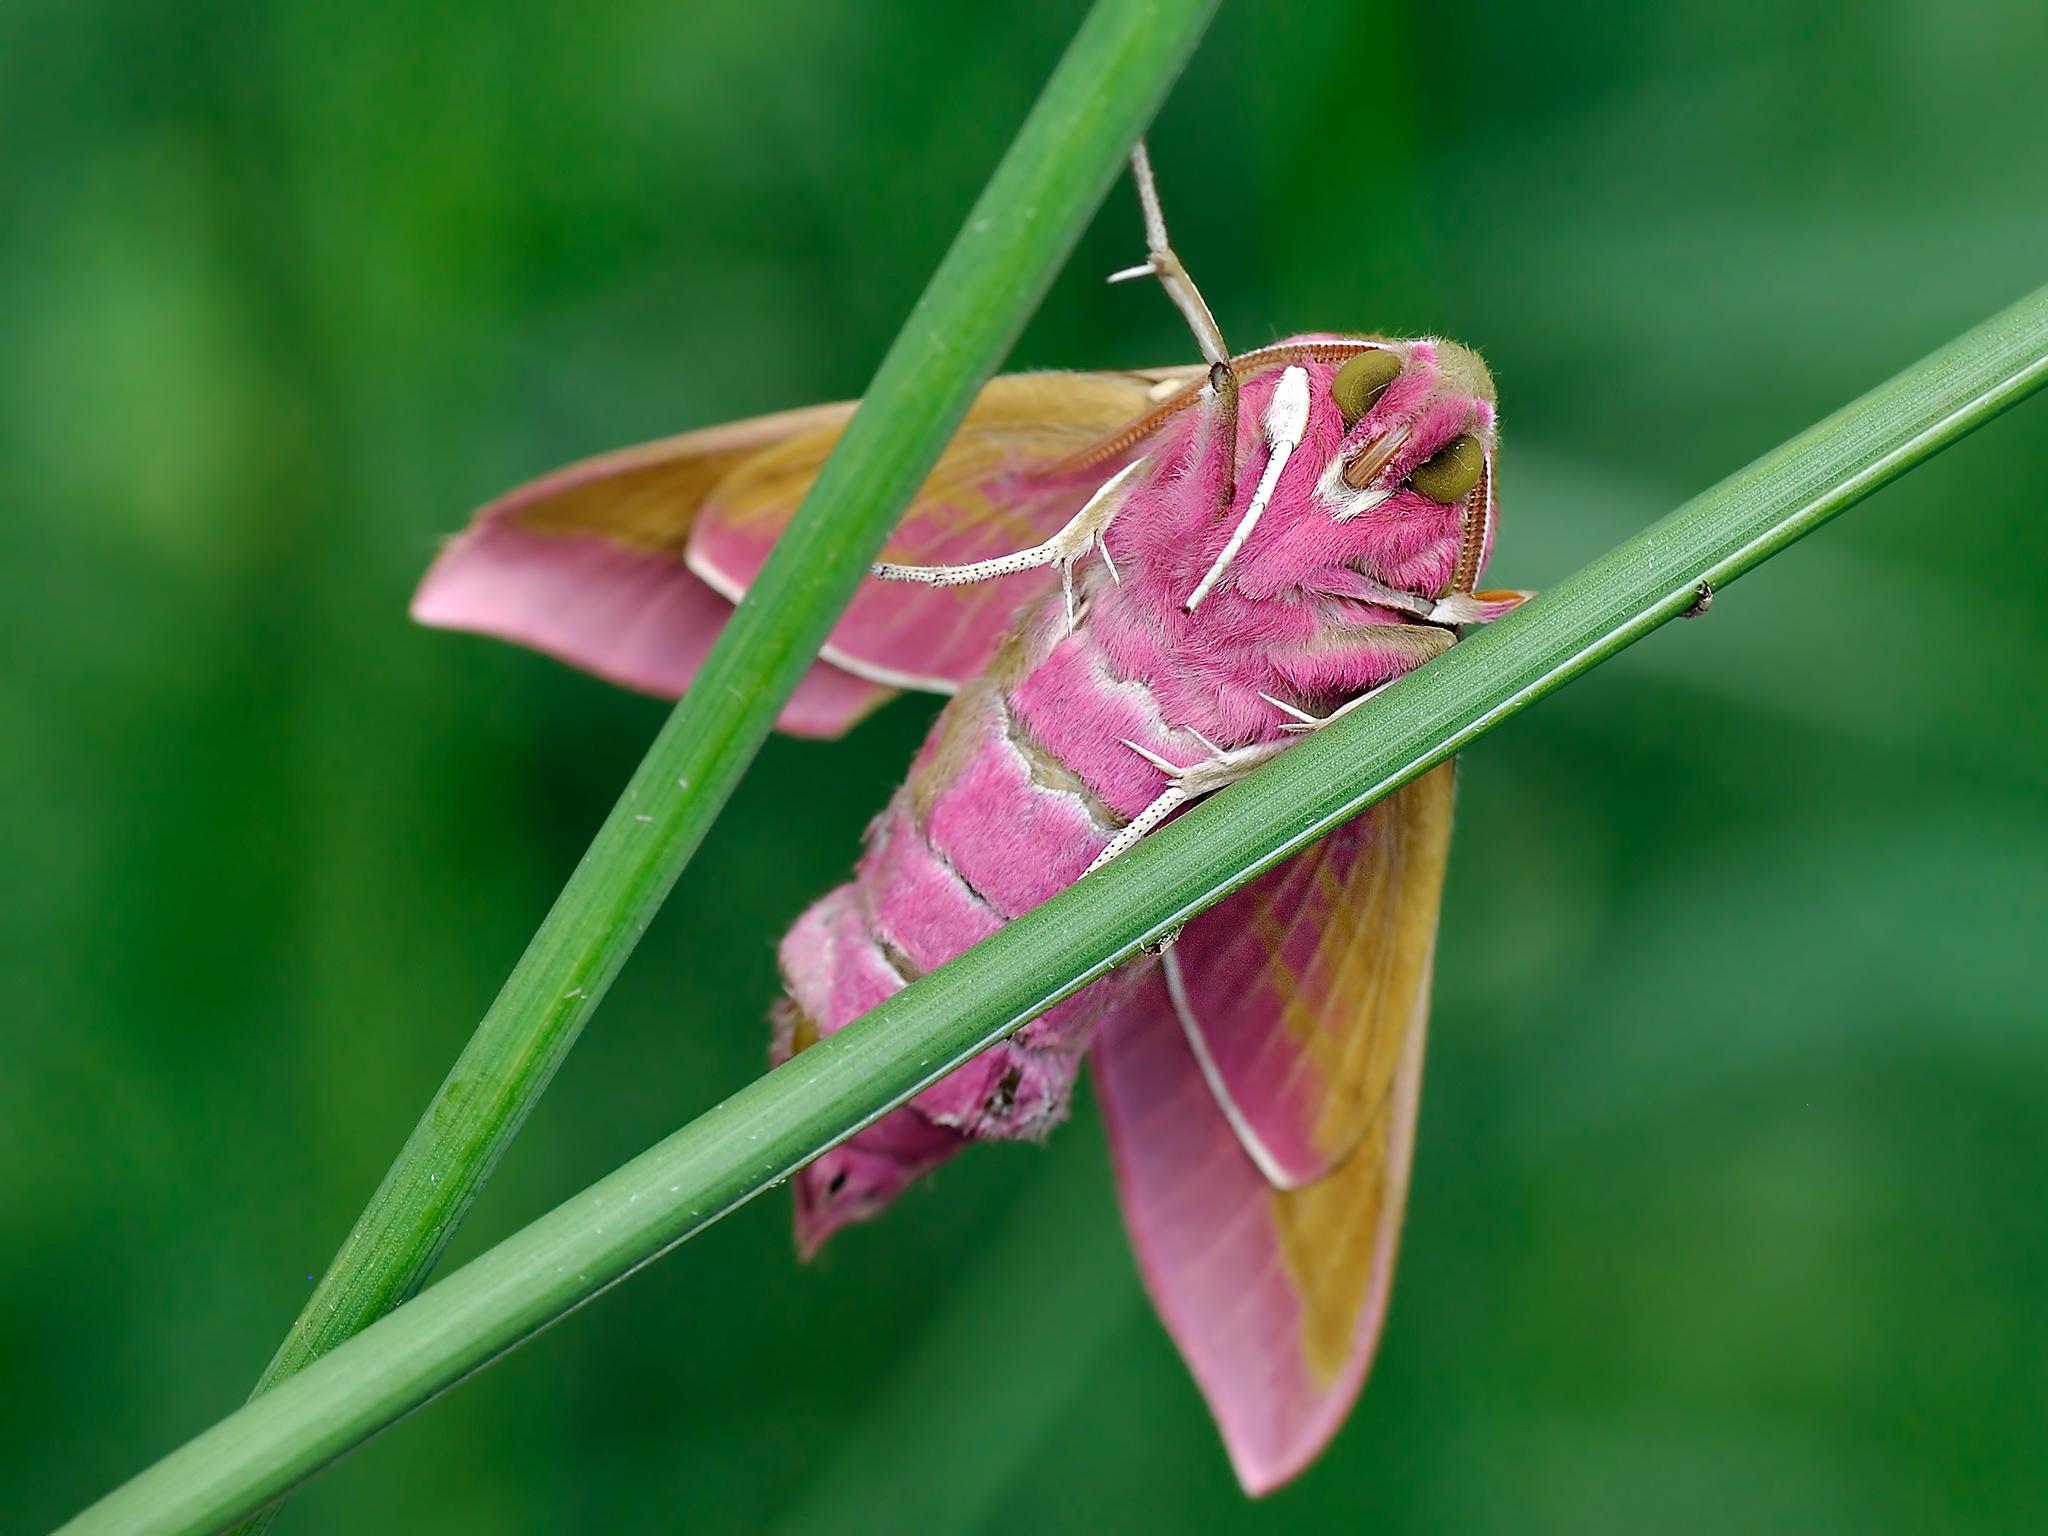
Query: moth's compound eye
1449 474
1361 381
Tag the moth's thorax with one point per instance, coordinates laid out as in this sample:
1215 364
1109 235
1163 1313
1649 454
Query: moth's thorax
1295 610
1316 521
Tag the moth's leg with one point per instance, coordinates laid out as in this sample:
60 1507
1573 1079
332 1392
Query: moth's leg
1065 549
1184 784
1300 722
1370 655
1378 654
1477 607
1161 262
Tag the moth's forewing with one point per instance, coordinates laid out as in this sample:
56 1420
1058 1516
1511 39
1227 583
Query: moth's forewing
627 564
1275 1296
648 496
1001 486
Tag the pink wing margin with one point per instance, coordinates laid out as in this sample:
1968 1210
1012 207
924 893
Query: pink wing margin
632 616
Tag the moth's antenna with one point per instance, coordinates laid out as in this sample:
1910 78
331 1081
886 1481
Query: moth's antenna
1162 263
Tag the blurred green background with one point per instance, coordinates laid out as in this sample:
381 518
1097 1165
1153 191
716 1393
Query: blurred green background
1728 1206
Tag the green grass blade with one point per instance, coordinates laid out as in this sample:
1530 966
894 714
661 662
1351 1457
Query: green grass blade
775 1124
1111 80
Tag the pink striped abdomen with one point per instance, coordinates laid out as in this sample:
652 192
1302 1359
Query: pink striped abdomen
1022 781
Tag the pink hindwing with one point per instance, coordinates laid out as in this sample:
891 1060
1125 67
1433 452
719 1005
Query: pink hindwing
1276 1294
1294 993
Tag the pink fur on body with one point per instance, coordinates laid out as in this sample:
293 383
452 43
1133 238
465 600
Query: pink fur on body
1026 777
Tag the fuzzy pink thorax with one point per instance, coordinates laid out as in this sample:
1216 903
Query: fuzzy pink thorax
1284 618
1407 542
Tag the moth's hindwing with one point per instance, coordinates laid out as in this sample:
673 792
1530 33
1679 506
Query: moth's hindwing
1262 1114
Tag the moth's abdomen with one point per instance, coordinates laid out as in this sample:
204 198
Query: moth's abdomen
1080 713
990 824
999 809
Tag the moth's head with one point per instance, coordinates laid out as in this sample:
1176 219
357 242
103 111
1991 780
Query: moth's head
1393 478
